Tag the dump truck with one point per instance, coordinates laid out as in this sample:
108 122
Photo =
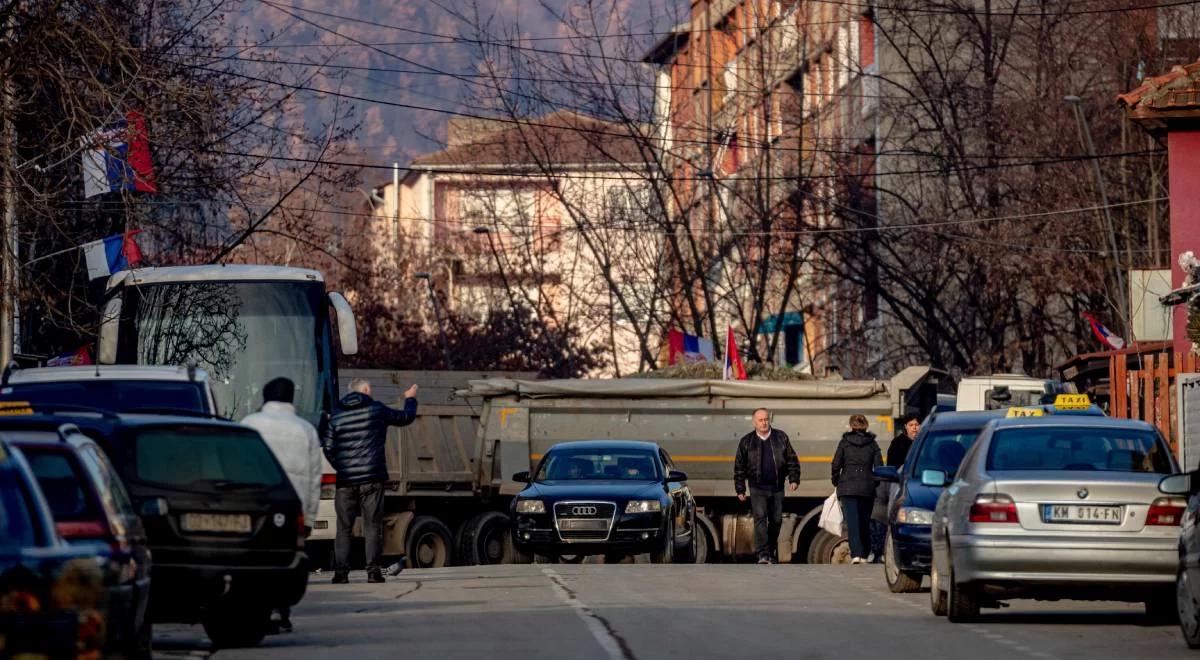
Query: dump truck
451 471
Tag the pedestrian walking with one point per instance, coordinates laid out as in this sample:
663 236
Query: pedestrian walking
856 455
297 448
907 428
354 442
764 461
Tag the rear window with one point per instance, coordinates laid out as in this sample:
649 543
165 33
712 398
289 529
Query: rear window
16 522
944 450
63 484
1078 448
204 457
115 395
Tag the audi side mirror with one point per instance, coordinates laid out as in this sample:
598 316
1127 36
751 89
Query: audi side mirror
522 477
676 477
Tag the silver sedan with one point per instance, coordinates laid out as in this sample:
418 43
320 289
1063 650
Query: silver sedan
1050 508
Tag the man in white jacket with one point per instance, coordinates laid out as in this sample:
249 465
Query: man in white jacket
296 446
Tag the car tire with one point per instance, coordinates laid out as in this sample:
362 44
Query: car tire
937 596
486 540
1189 610
963 604
1163 608
707 551
898 581
428 543
237 627
665 554
690 552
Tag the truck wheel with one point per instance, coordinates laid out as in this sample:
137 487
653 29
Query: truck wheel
486 539
237 627
428 543
821 550
665 554
898 581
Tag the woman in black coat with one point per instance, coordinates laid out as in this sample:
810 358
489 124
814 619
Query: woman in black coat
856 456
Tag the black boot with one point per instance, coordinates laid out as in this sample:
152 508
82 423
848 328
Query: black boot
375 576
341 577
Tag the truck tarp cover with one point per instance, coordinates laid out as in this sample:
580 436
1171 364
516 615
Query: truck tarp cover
666 387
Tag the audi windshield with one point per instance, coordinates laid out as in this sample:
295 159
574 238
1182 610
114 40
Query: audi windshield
589 464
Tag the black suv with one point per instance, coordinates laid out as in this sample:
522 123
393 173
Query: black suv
225 527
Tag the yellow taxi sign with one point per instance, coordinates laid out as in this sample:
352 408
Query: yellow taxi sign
1072 402
1025 412
9 408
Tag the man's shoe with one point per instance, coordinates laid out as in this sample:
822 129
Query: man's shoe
375 576
764 560
285 625
341 577
773 560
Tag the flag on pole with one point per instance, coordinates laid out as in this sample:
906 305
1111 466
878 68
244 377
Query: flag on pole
1106 336
117 157
112 255
733 359
688 349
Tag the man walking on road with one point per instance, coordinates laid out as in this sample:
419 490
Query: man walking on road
354 442
765 459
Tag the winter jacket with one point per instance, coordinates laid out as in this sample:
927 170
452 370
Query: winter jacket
749 458
898 450
856 455
297 448
355 436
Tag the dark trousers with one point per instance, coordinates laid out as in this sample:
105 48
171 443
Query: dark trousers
767 506
350 502
857 513
878 536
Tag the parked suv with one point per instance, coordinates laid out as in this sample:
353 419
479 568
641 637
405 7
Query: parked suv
119 388
225 527
91 509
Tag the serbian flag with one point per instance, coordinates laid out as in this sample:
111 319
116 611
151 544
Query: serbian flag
112 255
117 157
688 349
1106 336
733 359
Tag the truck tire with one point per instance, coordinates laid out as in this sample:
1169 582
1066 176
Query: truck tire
429 543
820 551
485 540
237 627
898 581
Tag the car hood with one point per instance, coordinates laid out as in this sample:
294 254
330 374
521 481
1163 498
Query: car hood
557 490
921 496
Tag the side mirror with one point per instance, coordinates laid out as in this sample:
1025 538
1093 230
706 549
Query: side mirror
110 321
886 473
347 328
676 477
933 478
154 508
1176 484
522 477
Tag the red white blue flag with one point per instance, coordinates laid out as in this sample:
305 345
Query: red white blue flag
688 349
112 255
117 157
733 360
1106 336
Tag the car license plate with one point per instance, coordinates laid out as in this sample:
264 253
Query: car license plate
216 522
582 525
1079 513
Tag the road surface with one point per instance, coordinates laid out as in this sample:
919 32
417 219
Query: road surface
643 612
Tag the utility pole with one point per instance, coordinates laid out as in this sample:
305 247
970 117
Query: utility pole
437 315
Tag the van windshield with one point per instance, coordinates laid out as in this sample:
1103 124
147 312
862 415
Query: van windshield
204 458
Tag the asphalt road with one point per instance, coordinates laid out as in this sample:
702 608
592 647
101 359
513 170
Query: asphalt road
638 611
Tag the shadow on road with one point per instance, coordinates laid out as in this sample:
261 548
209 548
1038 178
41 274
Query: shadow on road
1127 618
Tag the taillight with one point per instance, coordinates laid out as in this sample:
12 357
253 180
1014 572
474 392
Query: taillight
81 529
994 509
328 486
300 532
1166 511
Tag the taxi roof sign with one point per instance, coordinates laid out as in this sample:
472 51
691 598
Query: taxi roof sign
1072 402
15 408
1025 412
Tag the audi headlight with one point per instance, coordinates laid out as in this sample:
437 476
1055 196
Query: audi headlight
643 506
914 516
530 506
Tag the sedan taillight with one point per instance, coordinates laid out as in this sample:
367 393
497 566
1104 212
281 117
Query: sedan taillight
300 532
994 509
1166 511
328 486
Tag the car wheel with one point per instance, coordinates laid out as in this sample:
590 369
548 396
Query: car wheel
690 552
963 604
486 540
706 545
428 543
898 581
665 554
237 627
937 597
1163 608
1189 610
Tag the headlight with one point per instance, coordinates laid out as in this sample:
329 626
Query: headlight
530 506
914 516
643 506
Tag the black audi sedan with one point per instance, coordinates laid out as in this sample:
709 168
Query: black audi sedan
605 497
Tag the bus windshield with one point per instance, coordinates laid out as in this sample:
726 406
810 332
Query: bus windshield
243 333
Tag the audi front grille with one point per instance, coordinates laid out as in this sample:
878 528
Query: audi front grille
584 522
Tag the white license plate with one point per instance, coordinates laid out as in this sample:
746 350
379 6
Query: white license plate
1082 513
579 525
216 522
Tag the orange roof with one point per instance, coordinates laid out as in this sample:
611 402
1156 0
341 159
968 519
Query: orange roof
1173 95
562 137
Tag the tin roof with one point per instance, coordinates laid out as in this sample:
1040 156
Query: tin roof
1173 95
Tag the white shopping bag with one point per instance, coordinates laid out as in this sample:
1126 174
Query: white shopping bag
831 515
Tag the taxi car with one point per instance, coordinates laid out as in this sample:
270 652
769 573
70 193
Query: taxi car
1056 507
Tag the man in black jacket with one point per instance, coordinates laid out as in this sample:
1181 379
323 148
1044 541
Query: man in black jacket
764 472
354 441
